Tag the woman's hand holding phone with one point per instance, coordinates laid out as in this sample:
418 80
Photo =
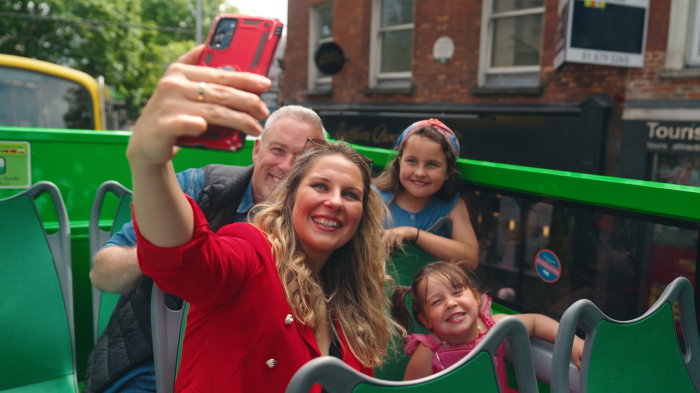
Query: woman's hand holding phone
230 99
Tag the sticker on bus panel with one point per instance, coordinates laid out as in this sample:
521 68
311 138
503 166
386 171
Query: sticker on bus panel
548 266
15 164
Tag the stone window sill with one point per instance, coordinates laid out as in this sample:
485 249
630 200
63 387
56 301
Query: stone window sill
685 73
318 93
388 90
524 91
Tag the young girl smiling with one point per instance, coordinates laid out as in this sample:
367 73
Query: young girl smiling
421 186
446 301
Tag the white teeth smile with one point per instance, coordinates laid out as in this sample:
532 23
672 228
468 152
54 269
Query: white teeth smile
277 180
327 223
456 316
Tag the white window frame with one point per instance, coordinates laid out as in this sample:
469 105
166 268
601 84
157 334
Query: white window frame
486 41
314 41
375 45
693 49
683 35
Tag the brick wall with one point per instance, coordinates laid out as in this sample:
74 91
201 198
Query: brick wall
451 82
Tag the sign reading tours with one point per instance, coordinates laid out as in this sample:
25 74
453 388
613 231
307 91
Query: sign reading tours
673 137
609 32
15 170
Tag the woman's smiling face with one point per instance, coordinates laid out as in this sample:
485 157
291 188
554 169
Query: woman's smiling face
328 207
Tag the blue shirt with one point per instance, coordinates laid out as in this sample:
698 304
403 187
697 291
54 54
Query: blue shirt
423 219
191 182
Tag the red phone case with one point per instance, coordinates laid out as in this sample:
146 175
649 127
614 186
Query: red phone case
251 49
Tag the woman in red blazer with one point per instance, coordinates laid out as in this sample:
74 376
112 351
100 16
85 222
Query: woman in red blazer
306 279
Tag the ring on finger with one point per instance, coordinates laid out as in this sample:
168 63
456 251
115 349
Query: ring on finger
200 91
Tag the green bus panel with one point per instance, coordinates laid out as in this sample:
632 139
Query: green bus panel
79 161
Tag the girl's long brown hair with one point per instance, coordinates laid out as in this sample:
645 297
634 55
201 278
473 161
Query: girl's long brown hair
350 286
455 274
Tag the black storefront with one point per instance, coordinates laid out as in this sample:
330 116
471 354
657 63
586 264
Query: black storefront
661 141
620 260
569 137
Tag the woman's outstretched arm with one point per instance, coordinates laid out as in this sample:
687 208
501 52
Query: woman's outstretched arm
230 99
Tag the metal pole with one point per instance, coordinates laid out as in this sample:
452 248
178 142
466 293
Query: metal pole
199 22
103 102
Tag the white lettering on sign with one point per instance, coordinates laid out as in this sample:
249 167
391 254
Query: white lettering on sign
686 147
658 131
605 58
657 146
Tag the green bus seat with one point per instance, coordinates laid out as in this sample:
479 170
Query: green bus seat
103 303
475 373
167 327
37 338
406 263
641 355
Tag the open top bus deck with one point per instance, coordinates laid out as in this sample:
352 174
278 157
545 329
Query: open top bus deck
547 238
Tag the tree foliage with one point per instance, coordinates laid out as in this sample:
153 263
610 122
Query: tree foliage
131 58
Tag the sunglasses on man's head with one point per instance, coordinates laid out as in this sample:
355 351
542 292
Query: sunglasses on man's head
322 143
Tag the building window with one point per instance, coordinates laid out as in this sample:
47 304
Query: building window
693 49
511 41
320 32
391 49
683 45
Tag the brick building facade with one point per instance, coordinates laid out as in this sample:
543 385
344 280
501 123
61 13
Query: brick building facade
508 102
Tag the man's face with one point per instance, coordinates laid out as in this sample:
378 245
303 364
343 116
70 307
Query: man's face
274 155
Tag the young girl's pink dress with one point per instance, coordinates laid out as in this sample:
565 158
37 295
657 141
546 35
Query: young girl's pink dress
446 354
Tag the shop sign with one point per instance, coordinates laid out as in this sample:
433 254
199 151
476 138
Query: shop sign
15 169
672 136
543 140
368 130
609 32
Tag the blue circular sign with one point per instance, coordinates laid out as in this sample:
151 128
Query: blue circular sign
548 266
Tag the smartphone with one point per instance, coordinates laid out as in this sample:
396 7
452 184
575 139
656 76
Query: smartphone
238 43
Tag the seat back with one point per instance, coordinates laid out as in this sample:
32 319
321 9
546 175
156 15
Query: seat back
406 263
103 303
167 331
475 373
36 296
641 355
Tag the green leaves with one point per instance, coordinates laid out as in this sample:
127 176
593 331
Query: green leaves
118 39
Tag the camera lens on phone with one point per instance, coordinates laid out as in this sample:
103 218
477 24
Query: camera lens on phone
223 34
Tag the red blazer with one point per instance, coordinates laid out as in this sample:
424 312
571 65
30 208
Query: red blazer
240 336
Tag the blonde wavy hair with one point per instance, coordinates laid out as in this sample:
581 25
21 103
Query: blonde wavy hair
351 284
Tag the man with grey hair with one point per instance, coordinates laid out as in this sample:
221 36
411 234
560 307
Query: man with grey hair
123 355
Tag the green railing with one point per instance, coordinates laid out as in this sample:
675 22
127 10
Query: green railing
79 161
660 199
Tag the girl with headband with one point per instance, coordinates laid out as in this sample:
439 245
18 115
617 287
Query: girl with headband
420 186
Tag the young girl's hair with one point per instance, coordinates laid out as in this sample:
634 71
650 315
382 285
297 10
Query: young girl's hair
434 130
453 274
350 286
